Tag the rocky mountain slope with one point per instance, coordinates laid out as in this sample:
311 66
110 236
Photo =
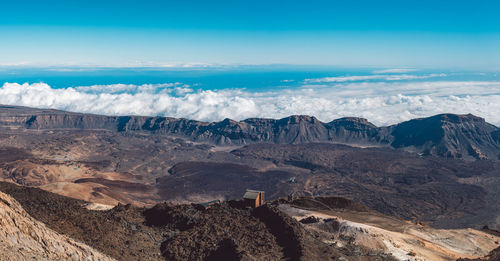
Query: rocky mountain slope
226 231
447 135
24 238
303 228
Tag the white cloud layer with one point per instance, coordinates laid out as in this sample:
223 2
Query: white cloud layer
395 77
395 70
382 103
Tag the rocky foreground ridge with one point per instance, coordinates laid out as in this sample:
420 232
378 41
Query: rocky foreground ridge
23 238
446 135
306 228
226 231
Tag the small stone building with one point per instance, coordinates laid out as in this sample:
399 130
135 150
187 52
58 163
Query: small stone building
253 198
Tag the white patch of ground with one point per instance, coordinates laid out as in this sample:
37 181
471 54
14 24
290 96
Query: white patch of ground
402 239
97 206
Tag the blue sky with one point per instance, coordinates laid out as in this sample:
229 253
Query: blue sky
424 34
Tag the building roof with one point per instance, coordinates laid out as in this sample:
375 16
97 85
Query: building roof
252 194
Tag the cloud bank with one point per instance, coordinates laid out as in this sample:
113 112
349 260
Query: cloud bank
382 103
396 70
395 77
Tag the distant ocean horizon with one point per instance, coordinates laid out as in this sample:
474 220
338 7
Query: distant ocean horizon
212 78
382 95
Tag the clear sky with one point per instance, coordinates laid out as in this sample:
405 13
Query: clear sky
432 34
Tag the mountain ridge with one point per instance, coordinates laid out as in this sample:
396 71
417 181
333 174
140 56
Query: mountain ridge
446 135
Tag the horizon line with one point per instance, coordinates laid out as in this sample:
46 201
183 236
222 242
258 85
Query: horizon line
200 65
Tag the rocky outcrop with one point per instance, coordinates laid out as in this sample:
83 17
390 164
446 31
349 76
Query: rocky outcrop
288 232
448 135
22 238
356 130
445 135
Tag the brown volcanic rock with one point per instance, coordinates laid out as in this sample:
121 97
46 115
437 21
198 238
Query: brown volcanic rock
328 203
182 232
13 154
220 231
204 181
22 237
447 135
389 181
119 232
297 243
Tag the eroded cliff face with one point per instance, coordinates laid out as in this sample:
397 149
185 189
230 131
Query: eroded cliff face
445 135
448 135
496 136
23 237
357 131
14 117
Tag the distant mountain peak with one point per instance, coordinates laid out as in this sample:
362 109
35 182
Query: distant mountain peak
351 121
457 118
447 135
294 119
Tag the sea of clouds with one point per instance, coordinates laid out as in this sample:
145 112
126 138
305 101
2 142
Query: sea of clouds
388 100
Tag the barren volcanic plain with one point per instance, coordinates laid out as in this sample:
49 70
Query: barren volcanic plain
442 171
